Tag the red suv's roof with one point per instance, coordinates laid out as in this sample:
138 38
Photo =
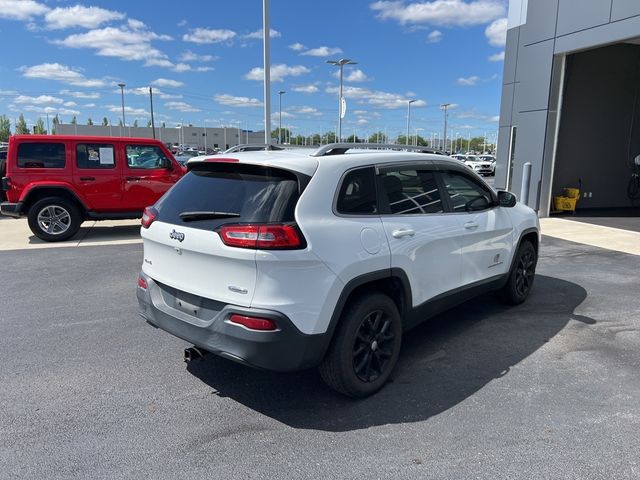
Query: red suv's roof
90 138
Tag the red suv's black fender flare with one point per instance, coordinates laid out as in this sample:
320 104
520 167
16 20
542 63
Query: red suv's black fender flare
29 191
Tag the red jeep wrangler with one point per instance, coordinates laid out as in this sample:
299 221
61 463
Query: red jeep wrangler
60 181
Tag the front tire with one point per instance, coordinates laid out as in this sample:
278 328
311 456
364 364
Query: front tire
54 219
365 348
521 275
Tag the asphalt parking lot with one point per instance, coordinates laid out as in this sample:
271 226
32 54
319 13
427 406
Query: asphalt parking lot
549 389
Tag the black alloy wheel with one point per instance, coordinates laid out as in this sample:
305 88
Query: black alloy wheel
365 347
525 271
373 346
521 275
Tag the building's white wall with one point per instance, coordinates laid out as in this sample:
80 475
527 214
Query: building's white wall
517 13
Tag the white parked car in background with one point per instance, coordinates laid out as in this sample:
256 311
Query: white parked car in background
290 259
481 165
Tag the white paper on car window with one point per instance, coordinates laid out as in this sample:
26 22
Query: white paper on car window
106 156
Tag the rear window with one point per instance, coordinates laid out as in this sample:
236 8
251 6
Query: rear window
254 194
41 155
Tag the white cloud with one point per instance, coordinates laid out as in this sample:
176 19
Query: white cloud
494 118
126 43
376 98
497 32
362 121
258 34
206 35
305 89
61 73
275 116
21 9
189 56
441 12
48 110
356 75
70 104
181 107
498 57
298 47
434 37
89 105
278 72
127 110
166 82
136 24
322 51
305 110
85 95
468 82
40 100
232 101
80 16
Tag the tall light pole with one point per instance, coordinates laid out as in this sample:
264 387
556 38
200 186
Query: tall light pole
266 33
121 85
445 107
280 93
153 123
340 63
409 102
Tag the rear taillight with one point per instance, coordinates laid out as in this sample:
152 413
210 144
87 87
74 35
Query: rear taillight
148 216
261 237
253 323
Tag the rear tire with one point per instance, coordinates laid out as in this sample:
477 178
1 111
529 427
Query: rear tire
365 347
521 275
54 219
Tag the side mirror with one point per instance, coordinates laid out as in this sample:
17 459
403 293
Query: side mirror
506 199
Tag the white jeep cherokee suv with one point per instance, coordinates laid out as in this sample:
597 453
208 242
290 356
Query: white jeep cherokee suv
289 259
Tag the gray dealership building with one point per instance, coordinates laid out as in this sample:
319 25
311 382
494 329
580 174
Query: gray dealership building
570 101
197 137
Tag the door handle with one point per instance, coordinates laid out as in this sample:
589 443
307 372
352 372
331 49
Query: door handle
132 179
405 232
87 179
470 225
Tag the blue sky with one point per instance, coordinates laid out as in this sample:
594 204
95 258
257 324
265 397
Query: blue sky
204 60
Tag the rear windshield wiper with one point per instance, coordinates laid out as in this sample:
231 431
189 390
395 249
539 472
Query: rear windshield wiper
192 216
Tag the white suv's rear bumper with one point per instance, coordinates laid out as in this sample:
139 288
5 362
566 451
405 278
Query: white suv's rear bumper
285 349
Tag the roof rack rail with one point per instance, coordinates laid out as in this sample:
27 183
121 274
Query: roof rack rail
252 147
340 148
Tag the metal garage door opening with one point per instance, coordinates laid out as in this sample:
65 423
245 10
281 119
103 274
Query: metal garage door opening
599 133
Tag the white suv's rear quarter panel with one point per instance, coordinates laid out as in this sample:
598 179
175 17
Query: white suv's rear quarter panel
297 284
338 241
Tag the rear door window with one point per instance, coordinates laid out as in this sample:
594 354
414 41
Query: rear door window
411 191
41 155
95 156
247 193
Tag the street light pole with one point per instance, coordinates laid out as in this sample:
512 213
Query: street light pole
445 106
280 93
409 102
153 123
340 63
122 85
266 33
